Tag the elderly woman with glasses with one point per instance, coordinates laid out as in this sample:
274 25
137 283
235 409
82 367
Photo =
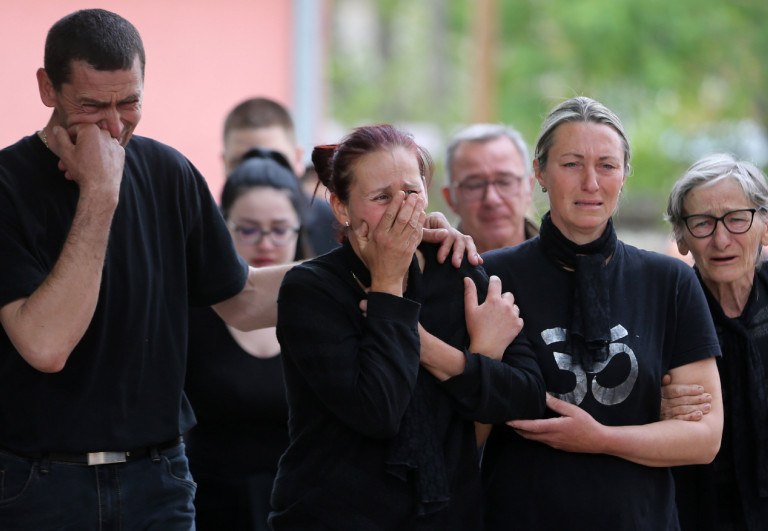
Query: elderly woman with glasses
718 213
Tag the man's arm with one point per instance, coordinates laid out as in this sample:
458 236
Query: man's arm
46 326
256 305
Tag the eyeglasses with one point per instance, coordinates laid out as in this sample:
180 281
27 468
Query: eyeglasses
735 222
254 235
475 189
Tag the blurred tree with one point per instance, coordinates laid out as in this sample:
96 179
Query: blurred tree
687 77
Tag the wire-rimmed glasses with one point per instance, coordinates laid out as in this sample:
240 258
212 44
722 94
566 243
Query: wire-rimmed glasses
475 188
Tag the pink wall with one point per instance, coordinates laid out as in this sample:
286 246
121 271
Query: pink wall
203 57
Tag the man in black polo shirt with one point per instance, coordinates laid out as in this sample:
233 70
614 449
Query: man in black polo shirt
106 240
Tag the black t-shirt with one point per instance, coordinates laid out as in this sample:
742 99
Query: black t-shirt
239 401
168 248
660 321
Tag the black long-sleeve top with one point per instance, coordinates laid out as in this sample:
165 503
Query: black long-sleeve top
351 380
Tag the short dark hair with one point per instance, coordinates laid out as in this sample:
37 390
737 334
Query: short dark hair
104 40
258 113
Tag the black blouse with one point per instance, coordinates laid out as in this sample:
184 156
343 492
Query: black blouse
354 386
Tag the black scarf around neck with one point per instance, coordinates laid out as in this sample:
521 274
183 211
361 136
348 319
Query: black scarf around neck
589 330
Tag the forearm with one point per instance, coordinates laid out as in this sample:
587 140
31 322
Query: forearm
256 305
676 442
439 358
46 326
661 443
667 442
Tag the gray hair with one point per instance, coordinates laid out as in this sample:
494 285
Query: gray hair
484 133
579 109
708 171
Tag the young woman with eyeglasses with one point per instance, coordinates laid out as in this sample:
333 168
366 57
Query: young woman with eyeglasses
235 378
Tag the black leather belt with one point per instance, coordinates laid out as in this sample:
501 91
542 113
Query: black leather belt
102 458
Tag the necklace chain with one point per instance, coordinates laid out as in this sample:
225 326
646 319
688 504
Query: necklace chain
44 137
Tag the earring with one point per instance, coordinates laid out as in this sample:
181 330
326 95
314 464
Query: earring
346 224
544 189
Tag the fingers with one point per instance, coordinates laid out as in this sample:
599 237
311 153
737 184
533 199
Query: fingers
59 140
471 249
459 245
692 393
61 144
494 288
470 295
694 413
404 213
559 406
495 294
363 229
687 400
402 220
411 215
436 220
452 242
361 232
523 425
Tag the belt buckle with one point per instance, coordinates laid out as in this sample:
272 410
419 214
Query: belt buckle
106 458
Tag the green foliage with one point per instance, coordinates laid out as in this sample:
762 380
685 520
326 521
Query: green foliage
682 74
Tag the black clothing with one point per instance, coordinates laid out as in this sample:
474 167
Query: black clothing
659 321
590 329
242 429
322 227
168 248
732 491
354 391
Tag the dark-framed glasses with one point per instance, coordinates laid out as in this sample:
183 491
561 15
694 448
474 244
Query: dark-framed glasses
475 188
735 222
254 235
